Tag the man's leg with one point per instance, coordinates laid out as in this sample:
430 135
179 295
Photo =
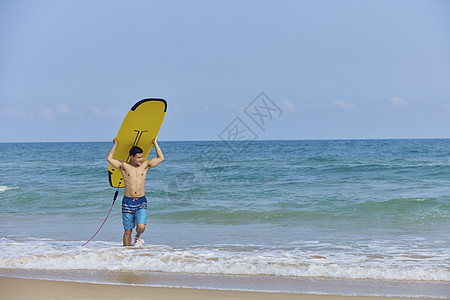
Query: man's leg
128 221
128 224
141 220
140 228
127 237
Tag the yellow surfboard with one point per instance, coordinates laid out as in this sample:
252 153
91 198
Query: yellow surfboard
140 126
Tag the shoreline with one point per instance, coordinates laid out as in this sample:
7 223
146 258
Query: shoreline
273 285
17 288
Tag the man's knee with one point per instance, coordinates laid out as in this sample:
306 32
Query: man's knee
140 227
128 232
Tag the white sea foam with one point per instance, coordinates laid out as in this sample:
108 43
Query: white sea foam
139 243
52 255
4 188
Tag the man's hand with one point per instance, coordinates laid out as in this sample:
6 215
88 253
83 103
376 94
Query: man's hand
115 141
155 140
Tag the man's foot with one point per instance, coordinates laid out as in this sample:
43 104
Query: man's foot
138 242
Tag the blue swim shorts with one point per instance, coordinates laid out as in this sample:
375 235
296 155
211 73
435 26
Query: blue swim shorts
134 211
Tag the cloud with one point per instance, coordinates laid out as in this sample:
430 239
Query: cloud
63 108
97 111
347 106
46 113
115 114
397 102
17 113
107 112
288 105
64 111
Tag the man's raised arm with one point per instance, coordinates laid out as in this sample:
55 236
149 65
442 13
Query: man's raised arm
110 158
159 155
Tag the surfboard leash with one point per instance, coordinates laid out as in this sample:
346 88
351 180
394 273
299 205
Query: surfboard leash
114 201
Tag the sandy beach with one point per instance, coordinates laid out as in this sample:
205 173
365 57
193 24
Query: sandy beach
14 288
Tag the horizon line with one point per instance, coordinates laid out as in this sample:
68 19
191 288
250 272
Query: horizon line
256 140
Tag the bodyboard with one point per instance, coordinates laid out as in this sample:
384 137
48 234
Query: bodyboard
140 126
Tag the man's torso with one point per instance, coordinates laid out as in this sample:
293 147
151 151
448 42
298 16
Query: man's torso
134 179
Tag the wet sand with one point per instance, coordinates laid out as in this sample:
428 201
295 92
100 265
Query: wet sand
15 288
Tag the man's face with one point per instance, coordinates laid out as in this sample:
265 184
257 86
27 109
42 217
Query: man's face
137 159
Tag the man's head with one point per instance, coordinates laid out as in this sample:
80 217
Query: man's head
136 156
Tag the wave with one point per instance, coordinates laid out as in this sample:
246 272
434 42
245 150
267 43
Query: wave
408 207
4 188
291 212
315 261
227 216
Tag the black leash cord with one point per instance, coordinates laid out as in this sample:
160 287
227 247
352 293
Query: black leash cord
114 200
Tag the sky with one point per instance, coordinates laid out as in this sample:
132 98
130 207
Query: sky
70 70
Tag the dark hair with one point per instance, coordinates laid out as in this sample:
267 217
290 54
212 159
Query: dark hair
135 150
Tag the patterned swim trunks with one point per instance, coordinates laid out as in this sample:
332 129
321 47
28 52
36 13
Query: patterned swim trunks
134 211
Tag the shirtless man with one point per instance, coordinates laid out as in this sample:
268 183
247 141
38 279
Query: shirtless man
134 203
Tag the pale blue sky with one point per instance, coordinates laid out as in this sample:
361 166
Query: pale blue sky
71 70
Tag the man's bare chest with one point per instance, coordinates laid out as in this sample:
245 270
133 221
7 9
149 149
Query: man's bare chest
134 172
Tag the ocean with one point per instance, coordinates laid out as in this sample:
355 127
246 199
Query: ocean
360 217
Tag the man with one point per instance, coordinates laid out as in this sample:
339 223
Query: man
134 203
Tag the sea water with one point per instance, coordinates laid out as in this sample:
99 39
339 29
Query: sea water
277 212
